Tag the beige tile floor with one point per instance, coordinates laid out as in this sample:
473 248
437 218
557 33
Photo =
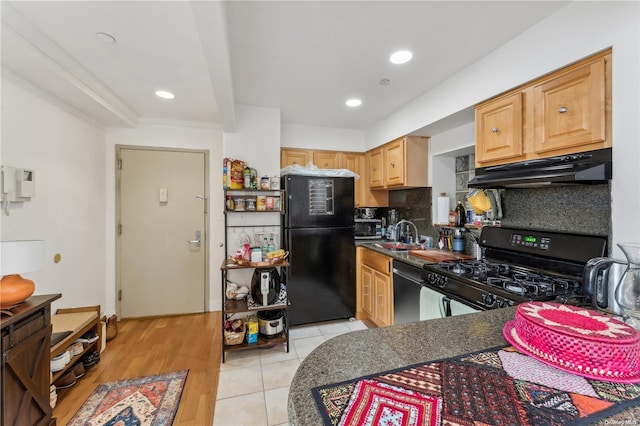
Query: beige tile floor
254 385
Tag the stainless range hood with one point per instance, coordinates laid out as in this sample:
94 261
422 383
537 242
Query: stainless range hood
586 168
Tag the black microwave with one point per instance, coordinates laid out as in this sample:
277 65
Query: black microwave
368 229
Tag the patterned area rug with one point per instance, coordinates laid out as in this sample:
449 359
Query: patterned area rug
496 386
151 400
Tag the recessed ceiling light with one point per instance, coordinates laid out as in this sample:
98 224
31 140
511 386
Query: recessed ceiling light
400 57
107 38
164 94
384 82
353 103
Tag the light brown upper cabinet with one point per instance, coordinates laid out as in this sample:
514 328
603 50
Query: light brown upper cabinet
354 161
569 110
499 129
375 162
291 156
327 159
564 112
401 163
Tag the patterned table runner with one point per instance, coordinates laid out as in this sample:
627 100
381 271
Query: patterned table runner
494 386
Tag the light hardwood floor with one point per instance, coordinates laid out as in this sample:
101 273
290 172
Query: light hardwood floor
146 347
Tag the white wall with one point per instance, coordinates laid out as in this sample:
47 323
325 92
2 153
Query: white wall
68 210
330 138
178 135
576 31
443 150
256 140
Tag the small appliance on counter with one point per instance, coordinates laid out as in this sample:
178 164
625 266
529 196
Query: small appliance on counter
271 323
368 229
265 285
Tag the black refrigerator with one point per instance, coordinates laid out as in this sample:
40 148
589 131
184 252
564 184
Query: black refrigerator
318 233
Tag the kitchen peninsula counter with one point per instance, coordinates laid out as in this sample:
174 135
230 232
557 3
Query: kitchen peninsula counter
371 351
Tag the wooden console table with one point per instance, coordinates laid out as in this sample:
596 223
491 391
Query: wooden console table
24 381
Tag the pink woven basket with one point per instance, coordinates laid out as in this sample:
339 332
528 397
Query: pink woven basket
577 340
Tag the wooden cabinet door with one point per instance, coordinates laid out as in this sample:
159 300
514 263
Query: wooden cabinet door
25 378
375 165
569 110
291 156
351 161
326 159
355 162
394 162
499 129
383 299
367 290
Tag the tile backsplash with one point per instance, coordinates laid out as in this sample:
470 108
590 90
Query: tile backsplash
581 209
584 209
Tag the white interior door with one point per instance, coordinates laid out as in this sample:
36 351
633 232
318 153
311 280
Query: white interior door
162 207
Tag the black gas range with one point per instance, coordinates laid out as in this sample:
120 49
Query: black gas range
519 265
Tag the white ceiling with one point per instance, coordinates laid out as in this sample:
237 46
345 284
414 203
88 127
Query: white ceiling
305 58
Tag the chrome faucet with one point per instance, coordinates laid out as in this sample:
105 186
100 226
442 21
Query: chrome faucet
398 233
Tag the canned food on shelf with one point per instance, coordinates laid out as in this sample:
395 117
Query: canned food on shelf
261 203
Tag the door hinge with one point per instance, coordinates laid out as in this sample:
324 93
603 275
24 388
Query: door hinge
119 295
119 163
119 229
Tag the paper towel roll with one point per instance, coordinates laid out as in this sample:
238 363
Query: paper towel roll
443 209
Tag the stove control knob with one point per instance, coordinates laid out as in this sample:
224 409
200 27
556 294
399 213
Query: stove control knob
442 281
432 278
506 303
488 299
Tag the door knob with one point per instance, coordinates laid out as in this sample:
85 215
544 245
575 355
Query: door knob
197 240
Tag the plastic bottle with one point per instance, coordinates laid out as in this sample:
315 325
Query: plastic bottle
247 178
461 214
265 248
272 246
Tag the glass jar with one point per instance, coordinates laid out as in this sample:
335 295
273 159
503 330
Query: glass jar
240 204
250 204
265 183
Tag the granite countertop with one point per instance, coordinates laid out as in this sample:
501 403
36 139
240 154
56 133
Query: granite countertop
371 351
401 255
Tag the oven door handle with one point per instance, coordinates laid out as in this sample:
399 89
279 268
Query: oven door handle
446 304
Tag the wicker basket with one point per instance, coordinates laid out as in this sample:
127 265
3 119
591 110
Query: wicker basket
577 340
234 338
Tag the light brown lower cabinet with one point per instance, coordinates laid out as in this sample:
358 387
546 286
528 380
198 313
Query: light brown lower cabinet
374 287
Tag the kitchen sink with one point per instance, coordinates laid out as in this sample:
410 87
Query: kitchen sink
398 246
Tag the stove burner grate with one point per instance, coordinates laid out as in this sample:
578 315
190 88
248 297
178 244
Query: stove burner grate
513 279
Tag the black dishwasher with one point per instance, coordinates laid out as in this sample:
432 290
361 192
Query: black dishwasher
406 292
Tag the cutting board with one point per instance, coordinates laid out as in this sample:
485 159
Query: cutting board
439 255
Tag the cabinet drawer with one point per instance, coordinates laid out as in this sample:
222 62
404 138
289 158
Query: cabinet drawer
19 332
377 261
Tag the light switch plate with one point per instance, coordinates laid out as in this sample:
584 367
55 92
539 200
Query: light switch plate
163 195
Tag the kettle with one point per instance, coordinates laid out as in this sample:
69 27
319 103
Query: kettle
265 286
600 277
